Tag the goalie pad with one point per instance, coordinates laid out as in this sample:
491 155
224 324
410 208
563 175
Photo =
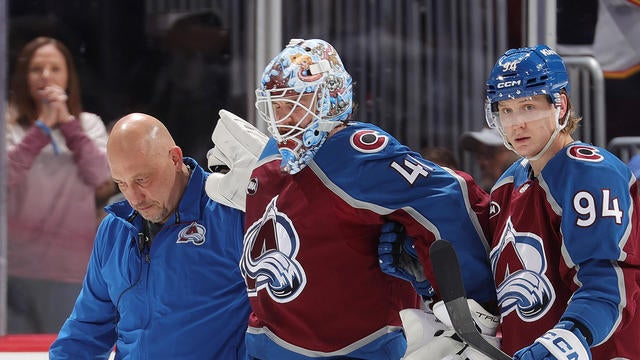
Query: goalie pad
238 145
430 335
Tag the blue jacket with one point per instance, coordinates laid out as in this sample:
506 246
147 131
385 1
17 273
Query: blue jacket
181 298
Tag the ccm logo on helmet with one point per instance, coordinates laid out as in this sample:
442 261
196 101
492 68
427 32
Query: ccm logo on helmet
507 84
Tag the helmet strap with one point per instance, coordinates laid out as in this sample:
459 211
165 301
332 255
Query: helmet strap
553 137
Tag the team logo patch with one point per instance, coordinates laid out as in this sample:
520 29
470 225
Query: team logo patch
519 267
269 257
585 153
252 186
368 141
194 233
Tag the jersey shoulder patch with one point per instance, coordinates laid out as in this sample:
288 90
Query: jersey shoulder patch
368 140
584 152
582 169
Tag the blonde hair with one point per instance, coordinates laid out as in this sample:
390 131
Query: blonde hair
573 117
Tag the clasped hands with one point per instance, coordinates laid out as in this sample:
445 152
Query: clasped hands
53 109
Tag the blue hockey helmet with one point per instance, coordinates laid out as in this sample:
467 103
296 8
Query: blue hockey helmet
307 77
525 72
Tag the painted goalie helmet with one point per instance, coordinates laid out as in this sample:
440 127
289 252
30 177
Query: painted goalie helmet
307 80
524 72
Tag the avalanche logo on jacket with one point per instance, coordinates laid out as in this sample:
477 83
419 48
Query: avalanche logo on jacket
193 233
522 284
268 261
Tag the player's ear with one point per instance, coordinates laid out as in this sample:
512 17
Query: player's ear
175 154
564 105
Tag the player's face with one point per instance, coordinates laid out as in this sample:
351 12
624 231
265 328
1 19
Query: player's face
294 112
47 67
148 183
527 122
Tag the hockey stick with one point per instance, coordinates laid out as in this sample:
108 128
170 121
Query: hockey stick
447 272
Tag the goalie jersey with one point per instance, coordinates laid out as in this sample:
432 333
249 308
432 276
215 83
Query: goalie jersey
310 248
565 245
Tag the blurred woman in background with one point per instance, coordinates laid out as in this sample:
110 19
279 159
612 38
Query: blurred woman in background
56 160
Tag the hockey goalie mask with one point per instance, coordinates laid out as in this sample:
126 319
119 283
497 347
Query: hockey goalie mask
304 93
524 72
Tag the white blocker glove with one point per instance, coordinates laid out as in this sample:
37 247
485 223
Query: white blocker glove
238 145
430 335
565 341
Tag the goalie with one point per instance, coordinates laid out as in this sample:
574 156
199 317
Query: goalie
316 201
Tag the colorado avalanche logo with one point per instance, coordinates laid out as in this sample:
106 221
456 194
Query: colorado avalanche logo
368 141
193 233
585 153
268 260
519 266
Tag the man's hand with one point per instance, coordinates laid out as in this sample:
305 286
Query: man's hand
397 256
565 341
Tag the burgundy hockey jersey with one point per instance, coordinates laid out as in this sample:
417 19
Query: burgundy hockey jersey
310 249
566 245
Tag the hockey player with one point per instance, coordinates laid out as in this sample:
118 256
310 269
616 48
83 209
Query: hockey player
315 204
564 222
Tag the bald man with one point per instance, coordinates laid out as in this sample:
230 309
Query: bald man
140 149
163 280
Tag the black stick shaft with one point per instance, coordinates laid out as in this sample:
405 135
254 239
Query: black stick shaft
449 278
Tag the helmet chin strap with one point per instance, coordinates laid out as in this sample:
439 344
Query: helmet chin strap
546 147
557 130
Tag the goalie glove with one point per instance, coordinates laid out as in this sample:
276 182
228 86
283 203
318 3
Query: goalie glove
420 327
565 341
397 257
430 335
238 145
